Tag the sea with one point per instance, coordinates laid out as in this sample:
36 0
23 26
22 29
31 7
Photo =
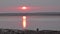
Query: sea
32 22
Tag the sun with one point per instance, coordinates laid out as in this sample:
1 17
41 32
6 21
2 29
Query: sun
24 8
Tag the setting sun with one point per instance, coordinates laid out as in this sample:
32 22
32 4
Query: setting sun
24 8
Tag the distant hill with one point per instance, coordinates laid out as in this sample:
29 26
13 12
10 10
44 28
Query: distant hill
31 14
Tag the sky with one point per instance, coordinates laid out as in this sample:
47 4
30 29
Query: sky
11 6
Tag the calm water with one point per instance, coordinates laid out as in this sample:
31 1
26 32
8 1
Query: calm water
33 22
